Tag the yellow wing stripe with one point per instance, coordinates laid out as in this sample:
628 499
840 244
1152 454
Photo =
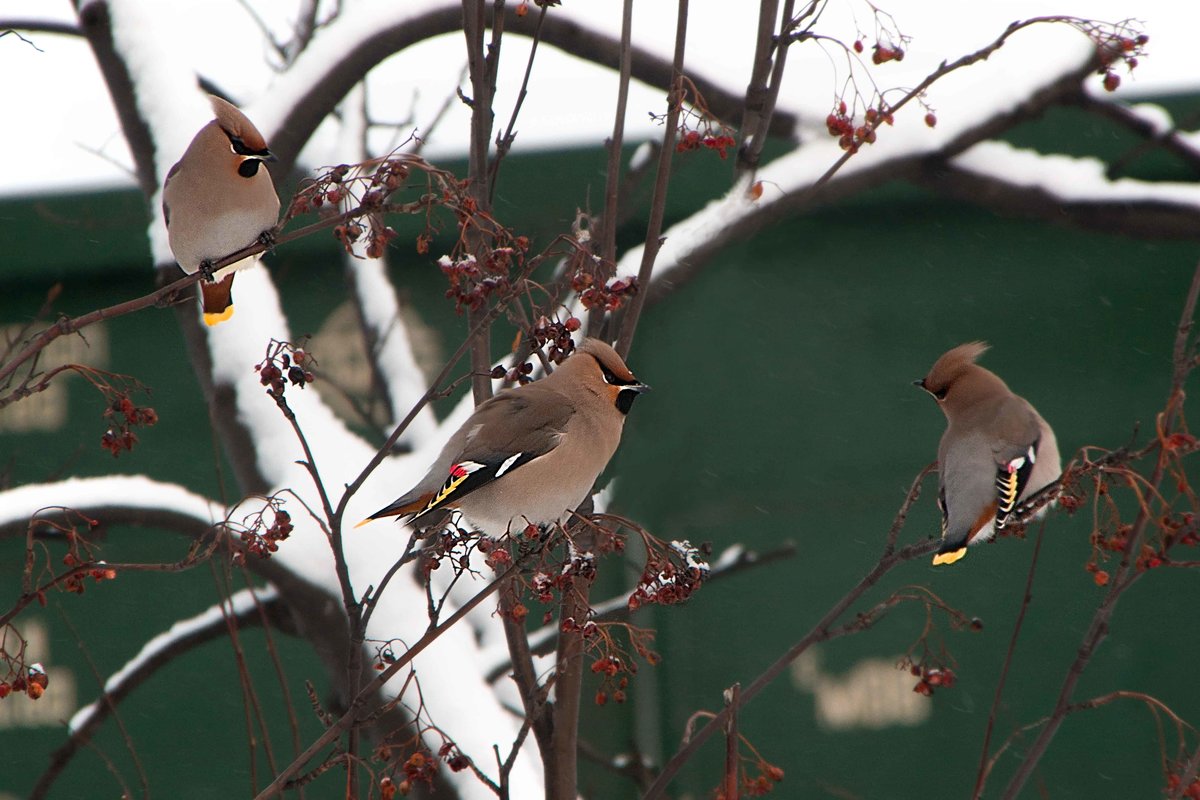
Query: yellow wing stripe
448 489
1008 491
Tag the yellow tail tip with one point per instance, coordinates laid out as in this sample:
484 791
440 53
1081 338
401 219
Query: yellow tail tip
211 319
949 558
364 522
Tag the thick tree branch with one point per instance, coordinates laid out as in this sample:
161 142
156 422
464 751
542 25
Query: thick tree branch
559 31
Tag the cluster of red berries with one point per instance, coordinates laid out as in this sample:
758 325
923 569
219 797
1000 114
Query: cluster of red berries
496 555
931 677
758 785
336 185
453 757
1118 48
1192 792
471 284
420 767
694 140
671 575
516 374
260 540
840 124
589 629
75 582
609 296
610 667
284 358
555 336
378 237
32 683
120 436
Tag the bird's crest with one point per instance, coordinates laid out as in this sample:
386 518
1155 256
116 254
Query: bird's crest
950 366
237 126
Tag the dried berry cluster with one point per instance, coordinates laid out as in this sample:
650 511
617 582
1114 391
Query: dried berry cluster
122 416
473 283
615 683
378 237
1119 46
420 767
695 140
74 582
1192 792
453 757
284 359
609 296
931 678
699 128
671 574
261 540
31 681
454 544
370 189
555 336
758 785
841 124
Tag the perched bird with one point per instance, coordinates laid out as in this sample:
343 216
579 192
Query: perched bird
996 451
530 454
218 199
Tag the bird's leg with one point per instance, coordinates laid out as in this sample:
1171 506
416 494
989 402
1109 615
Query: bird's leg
206 269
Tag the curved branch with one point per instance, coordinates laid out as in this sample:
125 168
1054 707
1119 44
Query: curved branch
41 26
346 66
1150 218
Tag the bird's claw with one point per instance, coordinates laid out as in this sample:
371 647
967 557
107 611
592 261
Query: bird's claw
206 269
268 238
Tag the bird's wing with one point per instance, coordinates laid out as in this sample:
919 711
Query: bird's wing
966 492
1015 450
504 434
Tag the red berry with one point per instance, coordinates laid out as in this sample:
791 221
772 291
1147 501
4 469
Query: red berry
931 119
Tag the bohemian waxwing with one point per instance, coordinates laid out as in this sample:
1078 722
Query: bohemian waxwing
532 453
996 451
217 200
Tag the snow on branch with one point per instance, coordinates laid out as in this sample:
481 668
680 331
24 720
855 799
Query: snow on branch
141 498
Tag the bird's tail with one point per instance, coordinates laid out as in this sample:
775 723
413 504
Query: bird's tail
217 299
403 507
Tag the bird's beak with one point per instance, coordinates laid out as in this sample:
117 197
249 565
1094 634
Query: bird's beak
640 388
270 157
919 382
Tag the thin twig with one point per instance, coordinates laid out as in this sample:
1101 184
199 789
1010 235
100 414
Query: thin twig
981 776
821 631
1126 574
658 206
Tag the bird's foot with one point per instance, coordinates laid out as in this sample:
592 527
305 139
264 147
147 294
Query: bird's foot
268 238
206 269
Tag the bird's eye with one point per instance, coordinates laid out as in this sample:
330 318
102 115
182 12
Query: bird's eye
242 149
611 378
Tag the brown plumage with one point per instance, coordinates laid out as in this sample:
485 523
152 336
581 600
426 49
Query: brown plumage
996 452
530 454
218 199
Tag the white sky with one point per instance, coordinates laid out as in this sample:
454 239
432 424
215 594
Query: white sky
64 108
